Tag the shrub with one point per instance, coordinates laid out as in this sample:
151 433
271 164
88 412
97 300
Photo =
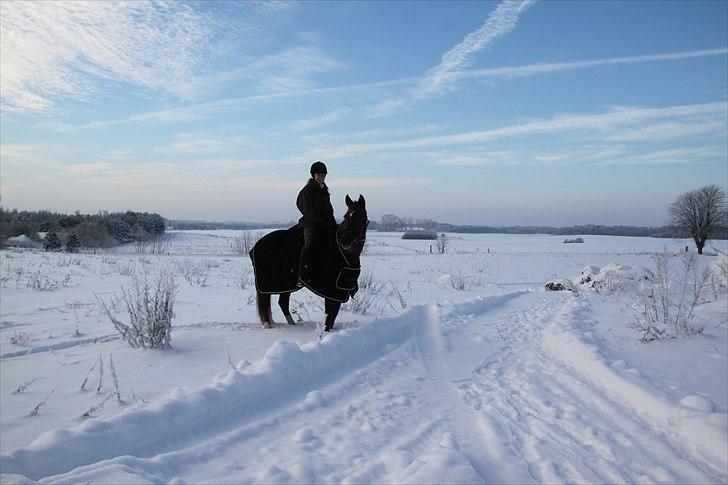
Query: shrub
442 243
151 308
666 306
243 243
575 240
194 272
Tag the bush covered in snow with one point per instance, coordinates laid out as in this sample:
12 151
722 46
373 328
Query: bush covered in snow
614 278
666 304
719 273
151 308
574 240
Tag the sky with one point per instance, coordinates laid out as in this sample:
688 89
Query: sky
491 113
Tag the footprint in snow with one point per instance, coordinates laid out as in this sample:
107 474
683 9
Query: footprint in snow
304 435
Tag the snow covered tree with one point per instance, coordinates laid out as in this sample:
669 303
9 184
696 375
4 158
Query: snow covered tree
700 212
72 244
52 242
118 229
442 243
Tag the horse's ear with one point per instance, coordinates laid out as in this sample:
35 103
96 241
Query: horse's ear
349 202
362 202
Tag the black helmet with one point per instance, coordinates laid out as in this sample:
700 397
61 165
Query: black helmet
318 167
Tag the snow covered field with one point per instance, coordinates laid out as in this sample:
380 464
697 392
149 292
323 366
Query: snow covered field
454 368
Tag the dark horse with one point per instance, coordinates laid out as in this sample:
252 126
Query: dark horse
335 265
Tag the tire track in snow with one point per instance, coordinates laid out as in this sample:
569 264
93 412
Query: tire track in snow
567 429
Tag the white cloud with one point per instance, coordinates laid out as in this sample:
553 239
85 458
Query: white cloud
542 68
69 49
321 120
669 156
501 21
618 118
52 49
375 182
523 157
198 111
201 143
670 130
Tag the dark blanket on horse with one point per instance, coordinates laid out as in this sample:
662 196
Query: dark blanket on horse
276 260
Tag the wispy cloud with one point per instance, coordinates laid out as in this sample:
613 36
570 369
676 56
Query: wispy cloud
197 111
524 157
672 129
548 67
501 21
669 156
69 50
202 143
618 118
52 49
323 138
375 182
321 120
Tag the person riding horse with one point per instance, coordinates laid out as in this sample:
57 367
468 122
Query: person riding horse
318 220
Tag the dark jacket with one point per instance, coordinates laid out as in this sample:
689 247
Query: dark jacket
314 202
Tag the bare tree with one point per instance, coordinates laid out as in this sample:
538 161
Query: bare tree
442 243
700 212
243 243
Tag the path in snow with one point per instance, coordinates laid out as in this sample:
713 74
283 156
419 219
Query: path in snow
503 389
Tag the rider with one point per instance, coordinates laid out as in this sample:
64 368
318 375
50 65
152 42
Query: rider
318 215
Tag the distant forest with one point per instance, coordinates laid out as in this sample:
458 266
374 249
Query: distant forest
105 229
394 223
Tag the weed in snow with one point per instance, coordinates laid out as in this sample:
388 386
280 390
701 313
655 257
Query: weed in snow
98 406
195 273
21 338
24 387
40 404
85 380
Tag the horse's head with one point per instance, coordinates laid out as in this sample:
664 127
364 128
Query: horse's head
353 230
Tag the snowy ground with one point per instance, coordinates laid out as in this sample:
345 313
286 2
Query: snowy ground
453 368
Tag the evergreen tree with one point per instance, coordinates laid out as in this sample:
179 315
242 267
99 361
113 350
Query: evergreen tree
72 244
52 242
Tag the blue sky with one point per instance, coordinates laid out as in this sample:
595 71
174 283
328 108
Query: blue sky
492 113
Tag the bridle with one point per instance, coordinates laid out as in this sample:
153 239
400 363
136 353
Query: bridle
358 240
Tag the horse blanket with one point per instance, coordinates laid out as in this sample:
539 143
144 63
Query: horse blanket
276 259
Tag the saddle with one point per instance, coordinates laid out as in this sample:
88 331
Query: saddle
276 259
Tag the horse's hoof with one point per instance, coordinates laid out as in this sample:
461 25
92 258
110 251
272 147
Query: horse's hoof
290 320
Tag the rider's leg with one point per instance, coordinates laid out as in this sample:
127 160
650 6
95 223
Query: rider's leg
309 240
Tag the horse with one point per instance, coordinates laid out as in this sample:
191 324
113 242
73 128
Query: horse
335 271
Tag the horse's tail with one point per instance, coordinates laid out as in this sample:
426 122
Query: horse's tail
264 311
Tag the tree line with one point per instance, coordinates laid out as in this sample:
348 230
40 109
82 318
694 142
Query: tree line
394 223
102 230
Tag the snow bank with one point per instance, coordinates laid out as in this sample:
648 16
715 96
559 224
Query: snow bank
617 277
285 373
609 279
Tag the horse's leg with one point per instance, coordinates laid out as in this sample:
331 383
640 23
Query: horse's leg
332 310
264 312
283 301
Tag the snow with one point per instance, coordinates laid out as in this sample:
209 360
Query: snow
461 369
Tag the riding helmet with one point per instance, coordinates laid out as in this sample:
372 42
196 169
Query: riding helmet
318 167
